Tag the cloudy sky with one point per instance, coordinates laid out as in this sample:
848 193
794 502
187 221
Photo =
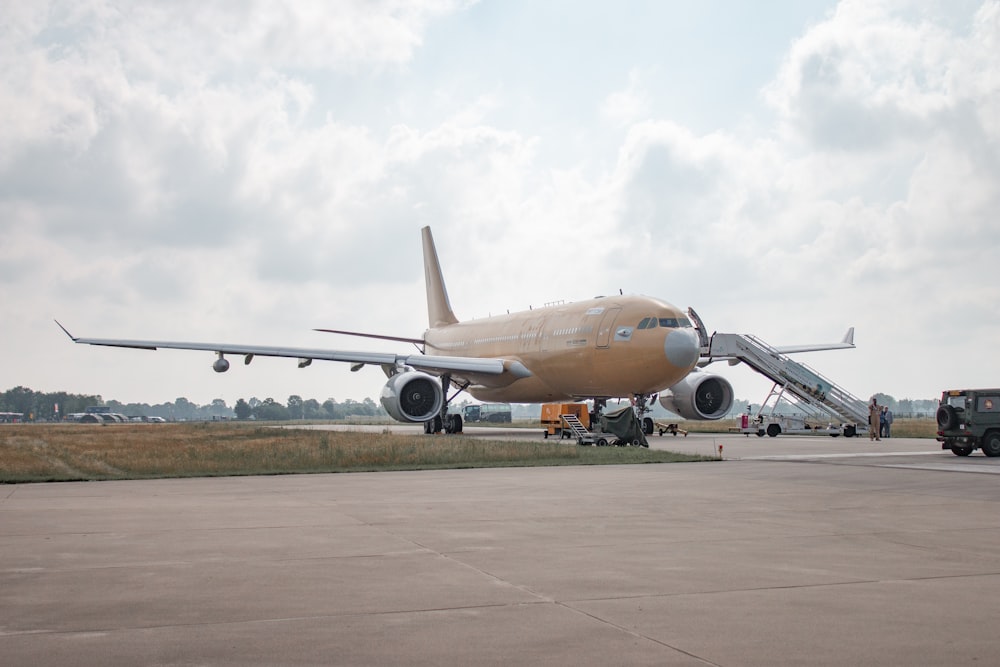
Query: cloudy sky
247 171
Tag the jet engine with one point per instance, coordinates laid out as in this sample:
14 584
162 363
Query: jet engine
699 396
412 397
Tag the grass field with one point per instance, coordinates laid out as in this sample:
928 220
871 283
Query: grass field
70 452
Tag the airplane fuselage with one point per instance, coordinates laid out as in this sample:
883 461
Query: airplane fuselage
604 347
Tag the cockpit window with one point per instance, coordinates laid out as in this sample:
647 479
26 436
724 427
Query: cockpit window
667 322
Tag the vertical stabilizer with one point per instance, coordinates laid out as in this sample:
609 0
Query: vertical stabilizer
439 311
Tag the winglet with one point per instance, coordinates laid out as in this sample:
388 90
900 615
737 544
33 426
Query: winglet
71 336
849 337
439 311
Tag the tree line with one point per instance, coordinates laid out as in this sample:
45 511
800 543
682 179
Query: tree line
54 406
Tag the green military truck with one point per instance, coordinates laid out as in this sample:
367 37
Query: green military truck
969 419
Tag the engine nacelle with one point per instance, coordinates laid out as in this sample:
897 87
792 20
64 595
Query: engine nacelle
699 396
220 365
412 397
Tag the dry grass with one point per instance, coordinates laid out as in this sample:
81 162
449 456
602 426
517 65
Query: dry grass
51 452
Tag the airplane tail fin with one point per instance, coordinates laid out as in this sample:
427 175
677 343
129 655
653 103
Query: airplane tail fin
439 311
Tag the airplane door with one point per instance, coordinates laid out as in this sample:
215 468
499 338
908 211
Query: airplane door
606 327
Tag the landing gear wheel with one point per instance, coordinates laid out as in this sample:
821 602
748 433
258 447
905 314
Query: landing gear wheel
453 424
991 444
960 450
647 426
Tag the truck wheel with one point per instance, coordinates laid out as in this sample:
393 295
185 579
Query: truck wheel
960 450
760 433
773 430
946 417
991 444
850 431
601 442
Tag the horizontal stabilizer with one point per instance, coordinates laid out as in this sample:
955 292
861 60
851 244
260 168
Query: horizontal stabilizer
400 339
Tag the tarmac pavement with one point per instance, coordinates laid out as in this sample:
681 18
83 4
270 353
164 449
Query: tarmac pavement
791 551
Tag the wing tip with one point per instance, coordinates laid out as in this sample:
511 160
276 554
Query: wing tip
65 331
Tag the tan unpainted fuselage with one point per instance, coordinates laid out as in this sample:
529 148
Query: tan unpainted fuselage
588 349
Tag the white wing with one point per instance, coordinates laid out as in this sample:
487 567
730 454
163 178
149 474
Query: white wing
468 367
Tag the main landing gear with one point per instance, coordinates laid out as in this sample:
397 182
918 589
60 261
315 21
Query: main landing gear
449 423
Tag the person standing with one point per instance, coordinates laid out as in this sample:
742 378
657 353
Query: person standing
888 422
881 421
874 414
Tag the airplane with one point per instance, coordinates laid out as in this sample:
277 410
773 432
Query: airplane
623 346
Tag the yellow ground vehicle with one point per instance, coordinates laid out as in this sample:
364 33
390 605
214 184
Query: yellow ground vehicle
553 422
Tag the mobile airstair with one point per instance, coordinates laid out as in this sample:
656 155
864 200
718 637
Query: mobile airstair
791 378
577 429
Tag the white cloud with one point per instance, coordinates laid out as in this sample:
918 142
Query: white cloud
627 106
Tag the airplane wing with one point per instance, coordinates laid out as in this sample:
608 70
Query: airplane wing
710 354
846 343
470 367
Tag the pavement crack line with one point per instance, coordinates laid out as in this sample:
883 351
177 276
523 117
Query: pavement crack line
550 600
637 635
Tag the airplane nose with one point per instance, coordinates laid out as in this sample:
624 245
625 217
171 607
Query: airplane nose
681 348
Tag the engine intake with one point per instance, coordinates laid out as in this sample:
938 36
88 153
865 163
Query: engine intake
699 396
412 397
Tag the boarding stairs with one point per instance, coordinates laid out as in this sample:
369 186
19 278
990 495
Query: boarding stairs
793 377
576 426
